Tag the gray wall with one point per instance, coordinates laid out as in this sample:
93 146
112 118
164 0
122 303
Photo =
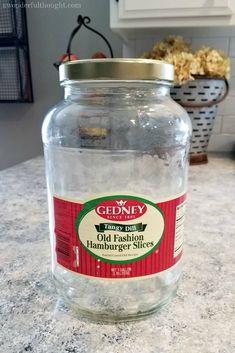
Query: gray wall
49 29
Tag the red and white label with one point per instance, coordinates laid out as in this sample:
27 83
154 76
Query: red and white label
119 236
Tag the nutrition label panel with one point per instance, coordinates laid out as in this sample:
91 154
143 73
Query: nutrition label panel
179 228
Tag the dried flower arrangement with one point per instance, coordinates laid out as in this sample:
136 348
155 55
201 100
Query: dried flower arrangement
206 61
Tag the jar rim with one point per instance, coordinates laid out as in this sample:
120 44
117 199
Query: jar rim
116 69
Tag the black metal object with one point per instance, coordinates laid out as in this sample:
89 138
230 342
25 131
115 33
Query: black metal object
15 71
83 21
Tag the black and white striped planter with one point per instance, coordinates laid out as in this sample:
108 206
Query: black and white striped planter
200 98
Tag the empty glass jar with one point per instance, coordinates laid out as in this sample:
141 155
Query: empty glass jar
116 152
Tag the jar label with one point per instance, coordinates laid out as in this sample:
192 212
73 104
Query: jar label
119 236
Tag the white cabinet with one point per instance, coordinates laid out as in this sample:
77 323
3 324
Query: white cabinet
133 9
131 15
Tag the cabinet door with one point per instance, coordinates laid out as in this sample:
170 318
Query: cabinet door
141 9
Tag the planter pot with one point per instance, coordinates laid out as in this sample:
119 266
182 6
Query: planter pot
200 98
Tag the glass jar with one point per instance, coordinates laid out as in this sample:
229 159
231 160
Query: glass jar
116 152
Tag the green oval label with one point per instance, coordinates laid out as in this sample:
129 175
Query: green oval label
120 229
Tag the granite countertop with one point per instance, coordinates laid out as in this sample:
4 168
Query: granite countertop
201 318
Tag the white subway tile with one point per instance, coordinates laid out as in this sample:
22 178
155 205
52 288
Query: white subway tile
228 125
232 67
228 31
143 45
232 87
216 42
128 49
222 143
232 46
227 107
217 125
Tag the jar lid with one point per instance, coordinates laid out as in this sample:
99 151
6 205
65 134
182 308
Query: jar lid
116 69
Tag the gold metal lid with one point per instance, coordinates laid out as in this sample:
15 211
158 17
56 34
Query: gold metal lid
116 69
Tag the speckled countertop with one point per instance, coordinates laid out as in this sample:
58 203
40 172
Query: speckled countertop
201 319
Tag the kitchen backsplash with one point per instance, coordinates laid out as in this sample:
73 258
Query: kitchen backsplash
223 137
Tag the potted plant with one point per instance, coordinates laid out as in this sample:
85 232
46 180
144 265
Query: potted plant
200 85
